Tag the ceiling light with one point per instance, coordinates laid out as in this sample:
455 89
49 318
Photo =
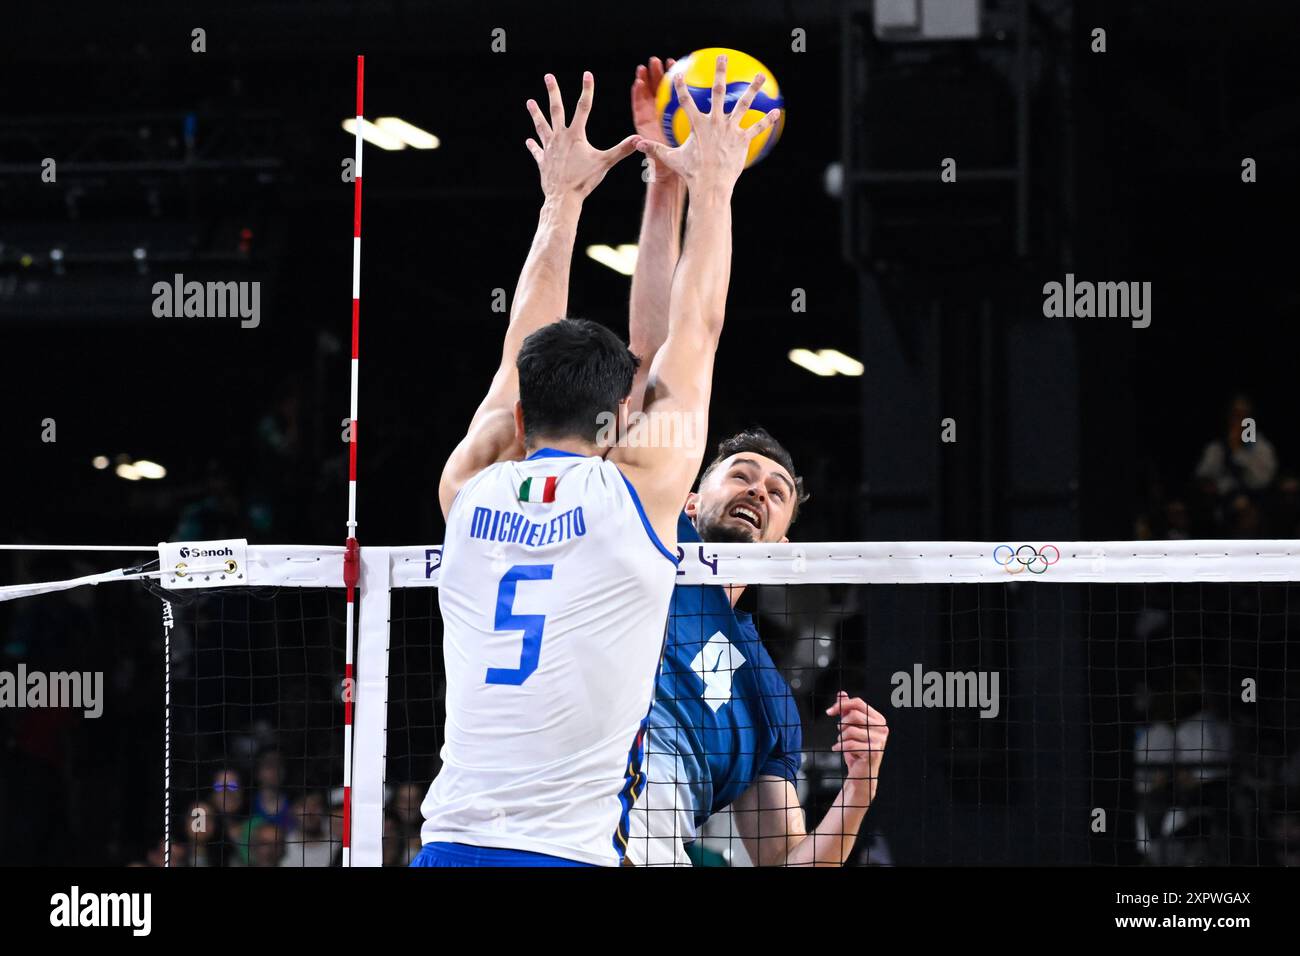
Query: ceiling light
373 134
621 259
811 361
149 469
405 132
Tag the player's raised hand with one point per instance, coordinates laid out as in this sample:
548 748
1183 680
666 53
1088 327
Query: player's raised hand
714 154
862 738
644 116
569 165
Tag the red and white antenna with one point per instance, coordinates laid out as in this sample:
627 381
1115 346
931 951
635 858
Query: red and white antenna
352 557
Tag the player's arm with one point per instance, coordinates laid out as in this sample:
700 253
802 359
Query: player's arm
570 169
681 376
771 821
659 243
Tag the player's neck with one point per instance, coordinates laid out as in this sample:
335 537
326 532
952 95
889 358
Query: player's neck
734 591
574 445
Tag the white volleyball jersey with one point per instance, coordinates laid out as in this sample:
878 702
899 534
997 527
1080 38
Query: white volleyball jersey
554 594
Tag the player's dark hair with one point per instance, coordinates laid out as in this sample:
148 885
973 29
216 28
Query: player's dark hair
570 372
759 441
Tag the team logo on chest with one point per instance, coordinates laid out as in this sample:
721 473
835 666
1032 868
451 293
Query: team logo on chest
716 664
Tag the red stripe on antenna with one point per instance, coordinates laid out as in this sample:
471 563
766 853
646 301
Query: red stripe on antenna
356 319
361 78
356 210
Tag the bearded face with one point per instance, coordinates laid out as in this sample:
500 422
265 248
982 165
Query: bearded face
747 499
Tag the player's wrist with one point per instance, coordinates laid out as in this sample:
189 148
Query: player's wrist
858 792
560 204
711 192
663 178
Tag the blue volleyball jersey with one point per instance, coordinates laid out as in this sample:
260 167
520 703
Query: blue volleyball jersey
722 717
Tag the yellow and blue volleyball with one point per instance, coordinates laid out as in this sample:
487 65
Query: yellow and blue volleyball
698 70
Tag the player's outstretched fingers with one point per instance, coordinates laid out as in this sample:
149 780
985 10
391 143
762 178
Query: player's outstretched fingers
763 124
656 151
718 105
840 699
685 99
539 122
846 705
747 97
535 150
583 109
622 150
557 104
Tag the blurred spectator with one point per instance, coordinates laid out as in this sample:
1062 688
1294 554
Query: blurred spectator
1286 838
313 844
1229 465
216 514
395 844
406 807
269 800
156 858
228 799
281 471
1182 777
266 845
202 832
1244 520
269 806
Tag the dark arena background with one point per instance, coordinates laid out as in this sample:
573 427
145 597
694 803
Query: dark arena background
941 162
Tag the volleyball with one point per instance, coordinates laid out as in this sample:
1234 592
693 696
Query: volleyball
698 69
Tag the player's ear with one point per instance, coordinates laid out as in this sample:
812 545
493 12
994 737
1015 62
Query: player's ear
519 421
692 503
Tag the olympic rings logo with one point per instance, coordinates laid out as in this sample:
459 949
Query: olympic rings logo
1026 558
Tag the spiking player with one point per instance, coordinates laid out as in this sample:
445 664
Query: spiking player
557 569
724 729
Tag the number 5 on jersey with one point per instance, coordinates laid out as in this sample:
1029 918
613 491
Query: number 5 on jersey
530 624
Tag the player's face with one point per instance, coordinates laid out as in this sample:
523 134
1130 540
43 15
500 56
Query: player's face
748 498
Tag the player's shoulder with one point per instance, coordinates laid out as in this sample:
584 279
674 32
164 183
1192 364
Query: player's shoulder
469 487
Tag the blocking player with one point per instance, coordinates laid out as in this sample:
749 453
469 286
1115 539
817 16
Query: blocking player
724 729
557 568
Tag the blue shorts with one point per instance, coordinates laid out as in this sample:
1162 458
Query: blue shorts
462 854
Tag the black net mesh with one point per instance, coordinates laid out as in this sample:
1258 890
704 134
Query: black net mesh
1116 724
257 726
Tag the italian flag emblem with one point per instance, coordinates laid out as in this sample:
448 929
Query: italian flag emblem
538 490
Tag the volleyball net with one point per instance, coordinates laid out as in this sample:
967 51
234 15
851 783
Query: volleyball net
1116 703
